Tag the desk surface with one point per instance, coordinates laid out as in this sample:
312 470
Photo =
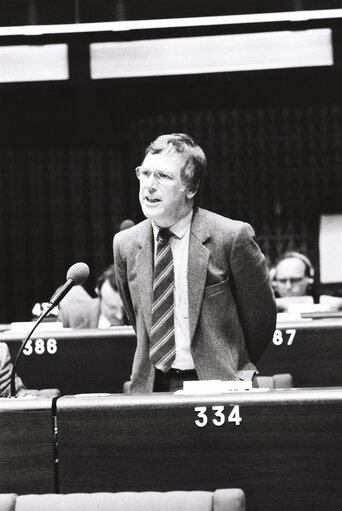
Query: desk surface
285 453
26 446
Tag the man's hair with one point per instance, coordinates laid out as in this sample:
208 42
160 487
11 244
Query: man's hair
195 161
107 274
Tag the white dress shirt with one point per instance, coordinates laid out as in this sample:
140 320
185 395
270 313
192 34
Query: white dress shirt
180 249
103 322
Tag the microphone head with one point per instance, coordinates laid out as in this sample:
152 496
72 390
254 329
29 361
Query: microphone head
126 224
78 273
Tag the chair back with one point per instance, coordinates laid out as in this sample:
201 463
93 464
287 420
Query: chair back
232 499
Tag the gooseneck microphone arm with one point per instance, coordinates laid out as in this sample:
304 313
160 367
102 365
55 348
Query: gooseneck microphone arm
77 274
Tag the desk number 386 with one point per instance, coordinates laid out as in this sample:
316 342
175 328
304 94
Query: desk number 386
220 417
40 346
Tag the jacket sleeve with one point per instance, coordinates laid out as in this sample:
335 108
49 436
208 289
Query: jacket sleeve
253 292
5 373
122 280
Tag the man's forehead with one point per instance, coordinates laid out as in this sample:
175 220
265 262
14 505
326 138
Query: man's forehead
291 265
165 160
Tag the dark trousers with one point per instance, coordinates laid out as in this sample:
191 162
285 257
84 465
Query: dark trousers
173 379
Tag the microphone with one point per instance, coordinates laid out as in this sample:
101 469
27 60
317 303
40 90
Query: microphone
76 275
126 224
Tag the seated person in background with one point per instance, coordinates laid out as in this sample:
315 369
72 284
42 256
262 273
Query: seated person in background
293 280
5 374
101 312
77 295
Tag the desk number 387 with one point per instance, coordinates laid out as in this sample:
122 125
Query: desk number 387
220 416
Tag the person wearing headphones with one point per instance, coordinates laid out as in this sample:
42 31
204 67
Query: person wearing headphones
294 275
293 279
293 282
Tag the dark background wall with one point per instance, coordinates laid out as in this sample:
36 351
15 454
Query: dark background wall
67 154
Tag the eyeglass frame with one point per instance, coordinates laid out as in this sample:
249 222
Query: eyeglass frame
293 281
156 175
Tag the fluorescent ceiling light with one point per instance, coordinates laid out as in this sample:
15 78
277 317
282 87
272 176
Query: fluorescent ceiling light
34 63
200 21
212 54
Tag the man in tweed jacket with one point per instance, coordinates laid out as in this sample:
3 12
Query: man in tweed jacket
224 305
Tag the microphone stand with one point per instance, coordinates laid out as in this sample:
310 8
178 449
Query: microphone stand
41 317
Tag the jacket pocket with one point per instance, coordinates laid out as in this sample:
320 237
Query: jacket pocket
216 288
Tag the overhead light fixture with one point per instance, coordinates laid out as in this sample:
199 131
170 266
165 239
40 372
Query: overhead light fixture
212 54
34 63
170 23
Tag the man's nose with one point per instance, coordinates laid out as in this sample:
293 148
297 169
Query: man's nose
151 182
288 283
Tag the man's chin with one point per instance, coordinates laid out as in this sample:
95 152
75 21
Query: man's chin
151 212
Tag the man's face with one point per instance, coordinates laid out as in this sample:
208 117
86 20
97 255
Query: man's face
111 304
290 277
168 201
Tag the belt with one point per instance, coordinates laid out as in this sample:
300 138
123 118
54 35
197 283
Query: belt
181 373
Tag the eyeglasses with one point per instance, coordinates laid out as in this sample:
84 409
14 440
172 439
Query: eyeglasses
291 280
161 176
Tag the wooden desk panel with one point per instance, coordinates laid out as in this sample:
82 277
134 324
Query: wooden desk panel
285 454
76 361
101 360
26 446
312 357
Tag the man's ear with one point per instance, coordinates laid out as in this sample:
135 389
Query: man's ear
191 193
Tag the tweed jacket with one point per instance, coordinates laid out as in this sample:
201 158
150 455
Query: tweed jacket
5 374
232 309
85 314
81 315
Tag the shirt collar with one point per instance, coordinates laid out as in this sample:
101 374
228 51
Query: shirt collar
179 228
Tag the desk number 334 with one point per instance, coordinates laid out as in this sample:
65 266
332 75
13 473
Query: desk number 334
220 417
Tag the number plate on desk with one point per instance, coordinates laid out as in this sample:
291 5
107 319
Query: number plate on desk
40 346
279 338
218 415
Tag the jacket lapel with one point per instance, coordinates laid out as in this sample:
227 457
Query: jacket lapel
197 267
144 266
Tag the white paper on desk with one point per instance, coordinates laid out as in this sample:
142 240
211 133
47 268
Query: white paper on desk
330 248
334 302
288 316
47 326
203 387
309 307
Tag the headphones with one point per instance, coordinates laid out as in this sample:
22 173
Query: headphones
309 269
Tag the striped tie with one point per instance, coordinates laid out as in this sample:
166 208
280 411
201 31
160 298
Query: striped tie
163 349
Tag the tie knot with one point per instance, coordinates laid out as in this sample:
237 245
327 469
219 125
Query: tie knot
164 235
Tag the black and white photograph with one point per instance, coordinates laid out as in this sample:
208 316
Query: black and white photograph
171 255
